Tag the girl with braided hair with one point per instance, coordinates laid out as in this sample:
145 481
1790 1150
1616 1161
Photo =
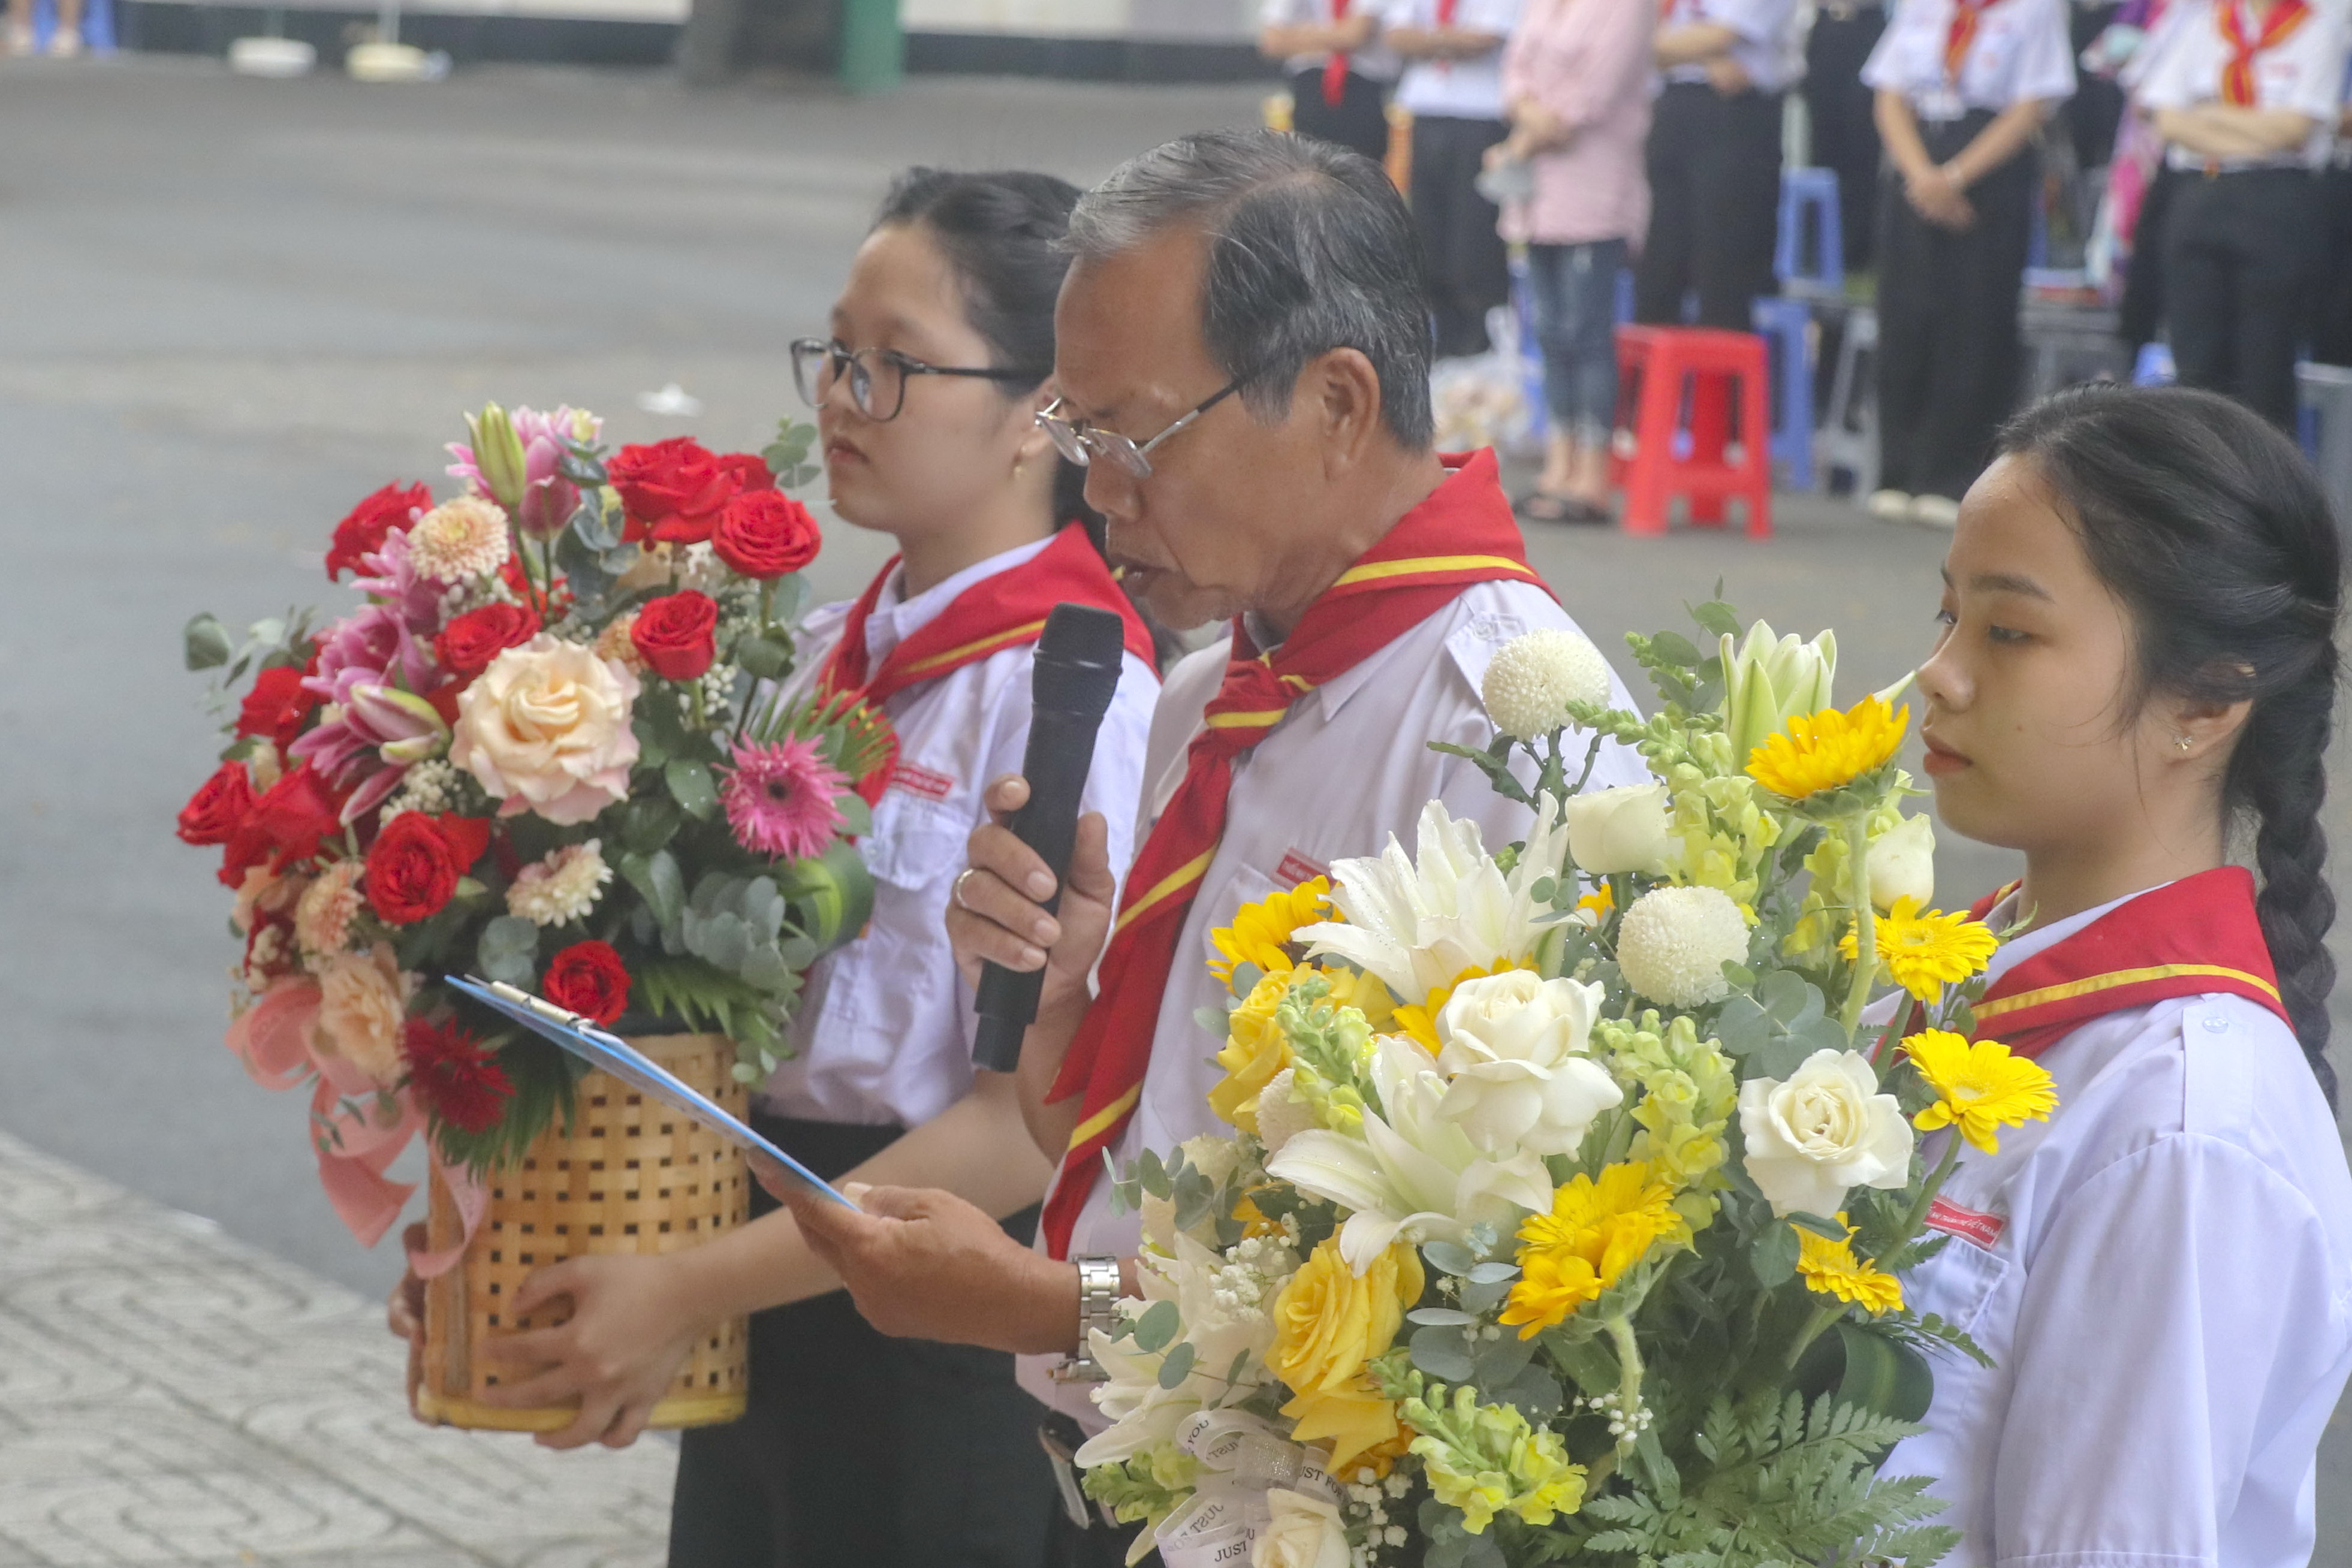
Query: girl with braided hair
2138 661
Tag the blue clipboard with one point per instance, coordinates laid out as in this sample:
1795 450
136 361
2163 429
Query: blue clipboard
633 1067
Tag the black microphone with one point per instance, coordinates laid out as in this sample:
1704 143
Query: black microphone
1071 684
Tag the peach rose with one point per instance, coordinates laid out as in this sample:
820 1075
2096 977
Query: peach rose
546 729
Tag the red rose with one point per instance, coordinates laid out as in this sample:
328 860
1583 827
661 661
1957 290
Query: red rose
673 634
588 978
217 810
454 1078
764 534
750 470
275 705
672 490
414 862
468 643
286 823
361 533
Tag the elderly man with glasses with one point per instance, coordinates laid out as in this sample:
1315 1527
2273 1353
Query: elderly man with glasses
1243 363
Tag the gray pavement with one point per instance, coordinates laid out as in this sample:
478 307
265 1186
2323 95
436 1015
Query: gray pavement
230 307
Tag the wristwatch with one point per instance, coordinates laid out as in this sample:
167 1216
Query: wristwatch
1098 1294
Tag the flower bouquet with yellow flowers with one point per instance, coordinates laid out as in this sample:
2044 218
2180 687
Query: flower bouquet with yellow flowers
1570 1183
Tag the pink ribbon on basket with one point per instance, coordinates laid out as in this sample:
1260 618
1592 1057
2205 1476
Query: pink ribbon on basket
358 1127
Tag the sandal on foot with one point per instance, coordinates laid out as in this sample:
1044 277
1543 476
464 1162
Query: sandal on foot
1544 505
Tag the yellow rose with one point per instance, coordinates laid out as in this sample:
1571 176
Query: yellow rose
547 727
363 1003
1255 1049
1329 1323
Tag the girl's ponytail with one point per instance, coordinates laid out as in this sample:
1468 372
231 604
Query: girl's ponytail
2214 533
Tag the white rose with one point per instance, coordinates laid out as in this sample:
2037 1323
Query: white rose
1282 1114
1901 863
1305 1532
547 728
1159 1221
1824 1130
1674 942
1214 1157
1510 1045
1622 830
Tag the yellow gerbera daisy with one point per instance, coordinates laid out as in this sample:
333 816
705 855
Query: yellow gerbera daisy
1831 1268
1981 1088
1829 749
1596 1230
1926 951
1261 932
1421 1022
1595 906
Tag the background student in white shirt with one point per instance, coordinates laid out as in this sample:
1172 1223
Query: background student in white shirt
1340 69
2245 93
1452 84
856 1449
1962 87
2140 609
1713 158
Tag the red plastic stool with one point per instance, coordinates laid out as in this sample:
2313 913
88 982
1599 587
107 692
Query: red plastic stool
1658 455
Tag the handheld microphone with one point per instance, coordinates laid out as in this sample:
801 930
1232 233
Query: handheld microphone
1077 671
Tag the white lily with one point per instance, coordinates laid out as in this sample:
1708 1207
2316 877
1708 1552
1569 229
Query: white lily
1417 923
1413 1173
1767 680
1140 1410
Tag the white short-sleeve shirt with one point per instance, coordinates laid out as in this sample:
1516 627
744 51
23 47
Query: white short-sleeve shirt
2181 67
884 1031
2021 54
1456 88
2162 1275
1374 62
1346 769
1771 46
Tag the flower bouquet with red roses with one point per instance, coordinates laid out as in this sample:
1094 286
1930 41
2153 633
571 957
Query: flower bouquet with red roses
548 749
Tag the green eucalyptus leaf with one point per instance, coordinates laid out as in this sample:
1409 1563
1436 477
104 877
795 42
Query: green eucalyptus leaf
1444 1353
1774 1255
205 643
1157 1329
508 949
691 787
1177 1366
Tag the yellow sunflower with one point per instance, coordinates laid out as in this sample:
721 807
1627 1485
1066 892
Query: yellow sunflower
1927 951
1261 932
1421 1022
1596 1230
1831 1268
1980 1088
1827 750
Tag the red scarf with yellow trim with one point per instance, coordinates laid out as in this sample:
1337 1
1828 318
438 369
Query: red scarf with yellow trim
1960 36
1463 533
2238 84
2195 937
1005 609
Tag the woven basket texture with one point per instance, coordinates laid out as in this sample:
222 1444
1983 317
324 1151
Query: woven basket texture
628 1176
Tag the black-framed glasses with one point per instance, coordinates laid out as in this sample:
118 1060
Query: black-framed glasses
1081 442
878 378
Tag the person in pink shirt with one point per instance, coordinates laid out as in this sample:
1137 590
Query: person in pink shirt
1576 86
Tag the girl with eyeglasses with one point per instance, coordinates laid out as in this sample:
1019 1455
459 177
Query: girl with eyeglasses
857 1449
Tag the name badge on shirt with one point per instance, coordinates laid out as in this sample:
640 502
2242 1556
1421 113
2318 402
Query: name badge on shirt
1295 868
921 781
1969 1225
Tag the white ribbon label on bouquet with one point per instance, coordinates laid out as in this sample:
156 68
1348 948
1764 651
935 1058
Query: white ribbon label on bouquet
1242 1458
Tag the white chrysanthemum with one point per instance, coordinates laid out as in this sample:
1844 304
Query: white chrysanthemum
1282 1114
459 538
1534 678
562 888
1674 944
322 920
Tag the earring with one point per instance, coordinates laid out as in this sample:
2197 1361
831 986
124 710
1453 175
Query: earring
2182 743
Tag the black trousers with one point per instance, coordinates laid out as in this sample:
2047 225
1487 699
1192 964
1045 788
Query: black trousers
1462 250
859 1449
2331 325
1948 347
1845 136
1715 206
1359 120
2240 254
2142 311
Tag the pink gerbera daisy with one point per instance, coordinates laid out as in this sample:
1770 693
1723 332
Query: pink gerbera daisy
780 798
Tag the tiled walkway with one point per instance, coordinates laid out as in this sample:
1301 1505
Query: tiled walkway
169 1395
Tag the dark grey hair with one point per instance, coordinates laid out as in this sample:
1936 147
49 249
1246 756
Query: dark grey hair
1310 250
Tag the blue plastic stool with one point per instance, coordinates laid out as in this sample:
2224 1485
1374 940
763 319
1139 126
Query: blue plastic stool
1787 326
1531 364
96 26
1624 295
2154 366
1812 192
2325 395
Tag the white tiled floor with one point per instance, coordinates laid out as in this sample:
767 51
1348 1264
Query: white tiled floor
168 1395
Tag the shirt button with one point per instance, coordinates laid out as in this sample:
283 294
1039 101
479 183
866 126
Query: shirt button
2215 1026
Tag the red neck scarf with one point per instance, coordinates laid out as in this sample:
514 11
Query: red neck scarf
1463 533
2238 85
1335 64
1005 609
2195 937
1961 36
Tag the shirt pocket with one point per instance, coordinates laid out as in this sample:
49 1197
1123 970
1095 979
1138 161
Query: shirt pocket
915 842
1957 1284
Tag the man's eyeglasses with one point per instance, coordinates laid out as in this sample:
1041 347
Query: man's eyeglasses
878 378
1081 442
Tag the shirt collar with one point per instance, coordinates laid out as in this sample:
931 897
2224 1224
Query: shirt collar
895 618
2015 953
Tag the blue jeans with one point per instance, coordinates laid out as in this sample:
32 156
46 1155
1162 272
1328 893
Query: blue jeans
1575 296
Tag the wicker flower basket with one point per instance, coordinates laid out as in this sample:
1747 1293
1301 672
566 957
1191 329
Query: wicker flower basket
629 1177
